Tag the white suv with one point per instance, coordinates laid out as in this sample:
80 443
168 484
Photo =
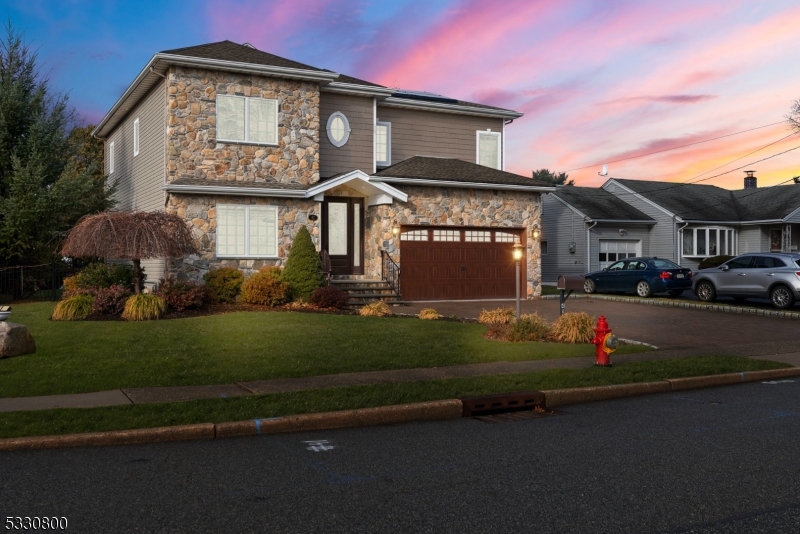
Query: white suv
769 275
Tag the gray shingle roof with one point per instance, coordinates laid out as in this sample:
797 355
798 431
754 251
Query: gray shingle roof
230 51
454 170
599 204
767 203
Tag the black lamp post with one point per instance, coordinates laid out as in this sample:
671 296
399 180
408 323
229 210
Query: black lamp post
518 249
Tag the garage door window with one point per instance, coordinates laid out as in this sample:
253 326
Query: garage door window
504 237
447 235
613 250
476 236
414 235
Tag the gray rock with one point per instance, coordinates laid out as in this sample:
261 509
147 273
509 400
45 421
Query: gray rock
15 340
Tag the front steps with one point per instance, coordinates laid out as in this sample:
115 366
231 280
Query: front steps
365 291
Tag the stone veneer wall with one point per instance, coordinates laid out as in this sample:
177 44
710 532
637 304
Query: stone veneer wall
444 206
192 148
201 211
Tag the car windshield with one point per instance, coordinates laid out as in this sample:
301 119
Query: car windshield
664 264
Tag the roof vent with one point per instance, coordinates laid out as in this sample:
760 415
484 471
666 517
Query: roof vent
750 181
248 45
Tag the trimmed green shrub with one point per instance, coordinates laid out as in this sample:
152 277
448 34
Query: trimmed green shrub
225 282
264 289
713 261
329 297
74 308
303 270
110 300
184 295
104 275
144 307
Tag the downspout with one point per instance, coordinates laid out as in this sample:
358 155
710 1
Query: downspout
589 248
503 140
678 232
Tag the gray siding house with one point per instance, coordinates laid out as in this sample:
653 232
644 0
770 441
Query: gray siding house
248 147
685 223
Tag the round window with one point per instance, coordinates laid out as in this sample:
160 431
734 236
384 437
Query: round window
338 129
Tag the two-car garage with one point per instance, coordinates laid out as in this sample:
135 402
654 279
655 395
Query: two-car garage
447 263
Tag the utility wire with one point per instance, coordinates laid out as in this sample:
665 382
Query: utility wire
674 148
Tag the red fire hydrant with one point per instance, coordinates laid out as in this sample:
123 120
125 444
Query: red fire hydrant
605 343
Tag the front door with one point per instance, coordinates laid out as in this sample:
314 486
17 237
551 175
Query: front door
343 234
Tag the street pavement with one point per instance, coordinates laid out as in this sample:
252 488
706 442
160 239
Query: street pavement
718 460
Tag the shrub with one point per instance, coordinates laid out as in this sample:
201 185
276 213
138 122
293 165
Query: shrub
574 327
272 272
713 261
497 316
375 309
429 314
530 327
303 271
71 283
184 295
226 283
105 275
144 307
329 297
110 300
264 289
74 308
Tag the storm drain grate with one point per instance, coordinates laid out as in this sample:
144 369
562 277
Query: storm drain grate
521 415
503 403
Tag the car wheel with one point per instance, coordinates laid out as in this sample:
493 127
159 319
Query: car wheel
643 289
675 292
589 286
705 291
782 297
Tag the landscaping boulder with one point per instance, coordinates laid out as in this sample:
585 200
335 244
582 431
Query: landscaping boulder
15 340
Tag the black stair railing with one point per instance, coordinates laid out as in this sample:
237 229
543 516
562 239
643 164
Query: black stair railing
390 272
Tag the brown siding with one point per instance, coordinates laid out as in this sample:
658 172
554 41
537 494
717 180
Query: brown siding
428 133
139 179
357 152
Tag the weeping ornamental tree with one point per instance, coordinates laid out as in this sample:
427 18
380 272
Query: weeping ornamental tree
50 170
130 235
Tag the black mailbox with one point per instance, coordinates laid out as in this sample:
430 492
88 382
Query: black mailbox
571 281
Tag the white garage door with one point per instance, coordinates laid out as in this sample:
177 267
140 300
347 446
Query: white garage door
612 250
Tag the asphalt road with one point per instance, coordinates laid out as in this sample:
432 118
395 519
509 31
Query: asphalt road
708 461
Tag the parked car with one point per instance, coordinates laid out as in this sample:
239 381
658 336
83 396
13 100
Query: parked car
644 276
768 275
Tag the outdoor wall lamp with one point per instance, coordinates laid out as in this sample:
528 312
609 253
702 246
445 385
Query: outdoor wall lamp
395 228
536 231
623 231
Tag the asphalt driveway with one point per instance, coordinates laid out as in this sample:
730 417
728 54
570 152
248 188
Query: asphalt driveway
664 327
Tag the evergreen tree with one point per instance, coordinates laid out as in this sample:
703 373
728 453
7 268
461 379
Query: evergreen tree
551 178
50 171
303 271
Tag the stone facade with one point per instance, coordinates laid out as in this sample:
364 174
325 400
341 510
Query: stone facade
200 211
192 147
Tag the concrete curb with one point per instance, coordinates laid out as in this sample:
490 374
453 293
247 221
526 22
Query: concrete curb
722 308
383 415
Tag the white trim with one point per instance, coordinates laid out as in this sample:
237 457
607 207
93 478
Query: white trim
374 133
247 233
380 191
406 103
233 191
503 148
498 139
387 162
111 161
462 185
136 137
357 89
792 214
252 68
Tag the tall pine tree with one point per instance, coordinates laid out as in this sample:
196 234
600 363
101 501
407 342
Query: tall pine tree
50 169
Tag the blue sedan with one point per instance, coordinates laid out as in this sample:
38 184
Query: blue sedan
644 276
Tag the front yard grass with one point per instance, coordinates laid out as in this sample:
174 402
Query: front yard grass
65 421
86 356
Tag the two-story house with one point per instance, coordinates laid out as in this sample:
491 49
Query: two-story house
248 147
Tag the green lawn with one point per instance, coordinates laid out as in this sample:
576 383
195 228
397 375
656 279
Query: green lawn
77 357
47 422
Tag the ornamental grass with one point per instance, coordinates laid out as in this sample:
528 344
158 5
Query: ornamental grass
429 314
574 327
144 307
74 308
497 316
375 309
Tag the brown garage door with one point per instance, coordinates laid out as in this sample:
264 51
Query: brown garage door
457 264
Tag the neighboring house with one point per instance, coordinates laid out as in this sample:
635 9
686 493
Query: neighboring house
681 222
249 147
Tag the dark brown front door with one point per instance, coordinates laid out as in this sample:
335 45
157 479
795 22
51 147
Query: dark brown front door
459 264
343 234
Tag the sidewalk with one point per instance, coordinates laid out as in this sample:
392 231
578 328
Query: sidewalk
769 351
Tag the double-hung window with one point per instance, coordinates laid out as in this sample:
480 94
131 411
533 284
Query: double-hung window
383 144
488 149
243 119
247 231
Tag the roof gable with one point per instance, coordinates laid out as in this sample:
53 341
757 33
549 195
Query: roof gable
599 204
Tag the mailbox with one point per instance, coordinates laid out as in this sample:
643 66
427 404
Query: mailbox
570 281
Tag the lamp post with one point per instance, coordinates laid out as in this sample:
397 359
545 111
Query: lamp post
518 248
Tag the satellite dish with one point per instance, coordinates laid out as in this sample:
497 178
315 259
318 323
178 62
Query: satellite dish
604 172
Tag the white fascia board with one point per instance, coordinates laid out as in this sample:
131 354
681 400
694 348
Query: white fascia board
381 198
355 89
377 187
642 198
234 191
406 103
463 185
792 214
756 223
146 71
624 221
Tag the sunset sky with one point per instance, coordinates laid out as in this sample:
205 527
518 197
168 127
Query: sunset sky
598 81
